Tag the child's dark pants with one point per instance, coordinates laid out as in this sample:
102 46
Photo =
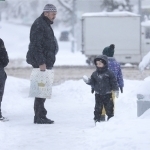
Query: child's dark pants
107 102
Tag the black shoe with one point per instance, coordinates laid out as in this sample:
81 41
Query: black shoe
49 120
38 120
3 119
96 120
102 118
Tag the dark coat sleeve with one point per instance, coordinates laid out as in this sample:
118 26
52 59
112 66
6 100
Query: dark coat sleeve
36 37
3 55
57 47
91 81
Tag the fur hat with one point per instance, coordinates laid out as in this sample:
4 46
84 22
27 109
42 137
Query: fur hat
49 7
109 51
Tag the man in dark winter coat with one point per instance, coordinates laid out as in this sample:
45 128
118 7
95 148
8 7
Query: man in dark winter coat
3 63
41 54
103 82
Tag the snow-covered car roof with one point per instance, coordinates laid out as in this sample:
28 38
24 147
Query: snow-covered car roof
110 14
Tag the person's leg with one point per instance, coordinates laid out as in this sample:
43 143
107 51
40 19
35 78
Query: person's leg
41 109
41 112
36 110
3 77
104 111
98 107
0 110
109 105
113 97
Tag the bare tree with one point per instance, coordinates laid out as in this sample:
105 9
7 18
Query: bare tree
66 4
111 5
23 11
67 11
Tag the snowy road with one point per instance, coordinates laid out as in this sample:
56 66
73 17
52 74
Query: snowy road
63 73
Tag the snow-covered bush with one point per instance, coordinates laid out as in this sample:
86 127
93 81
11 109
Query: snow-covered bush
145 62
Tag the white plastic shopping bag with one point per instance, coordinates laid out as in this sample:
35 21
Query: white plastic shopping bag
41 83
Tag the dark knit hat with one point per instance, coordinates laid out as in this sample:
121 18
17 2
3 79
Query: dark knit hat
49 7
109 51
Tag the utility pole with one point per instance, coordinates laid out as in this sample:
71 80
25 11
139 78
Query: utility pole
1 6
140 13
73 26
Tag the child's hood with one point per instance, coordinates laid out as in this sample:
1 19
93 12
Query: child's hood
102 57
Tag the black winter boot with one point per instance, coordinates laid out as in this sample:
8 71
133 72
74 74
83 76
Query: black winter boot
3 119
96 120
44 120
49 120
109 117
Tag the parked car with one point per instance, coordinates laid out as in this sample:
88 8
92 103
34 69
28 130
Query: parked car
64 36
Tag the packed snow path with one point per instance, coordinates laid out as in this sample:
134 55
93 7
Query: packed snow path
71 107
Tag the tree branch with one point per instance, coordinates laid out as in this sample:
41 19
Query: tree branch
65 5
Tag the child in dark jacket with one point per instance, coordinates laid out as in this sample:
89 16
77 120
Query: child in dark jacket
3 63
103 82
114 66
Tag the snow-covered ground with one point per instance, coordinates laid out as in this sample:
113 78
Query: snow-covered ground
16 38
71 107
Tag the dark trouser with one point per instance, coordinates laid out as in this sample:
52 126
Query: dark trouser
3 77
107 102
40 111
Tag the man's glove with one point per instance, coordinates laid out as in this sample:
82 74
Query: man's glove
85 79
116 94
121 89
92 90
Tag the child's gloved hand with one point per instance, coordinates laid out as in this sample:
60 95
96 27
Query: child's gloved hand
92 90
121 89
116 94
85 79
